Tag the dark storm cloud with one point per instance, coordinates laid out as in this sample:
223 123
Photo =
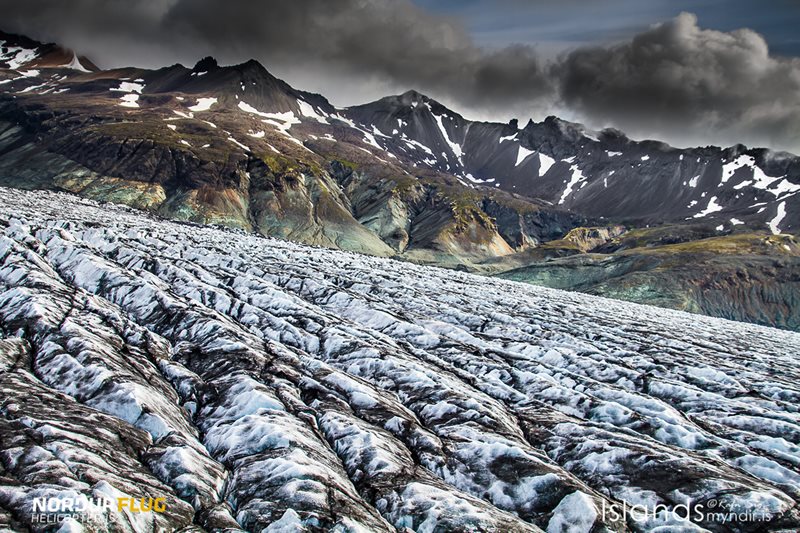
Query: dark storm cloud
392 41
112 32
674 81
689 85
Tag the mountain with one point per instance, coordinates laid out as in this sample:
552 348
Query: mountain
261 385
18 51
602 174
409 178
236 146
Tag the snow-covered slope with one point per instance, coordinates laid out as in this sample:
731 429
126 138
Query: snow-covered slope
263 384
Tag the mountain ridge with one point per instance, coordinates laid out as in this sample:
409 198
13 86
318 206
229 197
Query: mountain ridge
402 176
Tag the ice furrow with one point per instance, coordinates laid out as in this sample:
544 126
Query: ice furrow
252 442
279 384
203 293
92 353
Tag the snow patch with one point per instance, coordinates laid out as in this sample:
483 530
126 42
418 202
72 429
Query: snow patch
454 146
577 177
545 162
17 56
523 154
779 216
203 104
712 207
308 111
130 100
129 87
75 64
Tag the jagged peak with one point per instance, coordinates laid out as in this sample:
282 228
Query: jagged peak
414 96
554 124
736 150
399 103
206 64
252 64
254 71
251 71
410 98
614 133
563 125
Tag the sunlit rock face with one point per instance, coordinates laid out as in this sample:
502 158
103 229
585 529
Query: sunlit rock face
256 383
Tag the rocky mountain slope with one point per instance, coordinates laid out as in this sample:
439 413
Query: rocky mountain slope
601 174
752 277
256 383
238 147
403 176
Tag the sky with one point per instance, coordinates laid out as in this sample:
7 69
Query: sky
687 72
558 25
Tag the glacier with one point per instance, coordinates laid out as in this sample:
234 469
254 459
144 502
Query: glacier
263 385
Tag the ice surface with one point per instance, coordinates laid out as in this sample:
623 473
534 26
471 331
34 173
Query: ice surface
266 384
